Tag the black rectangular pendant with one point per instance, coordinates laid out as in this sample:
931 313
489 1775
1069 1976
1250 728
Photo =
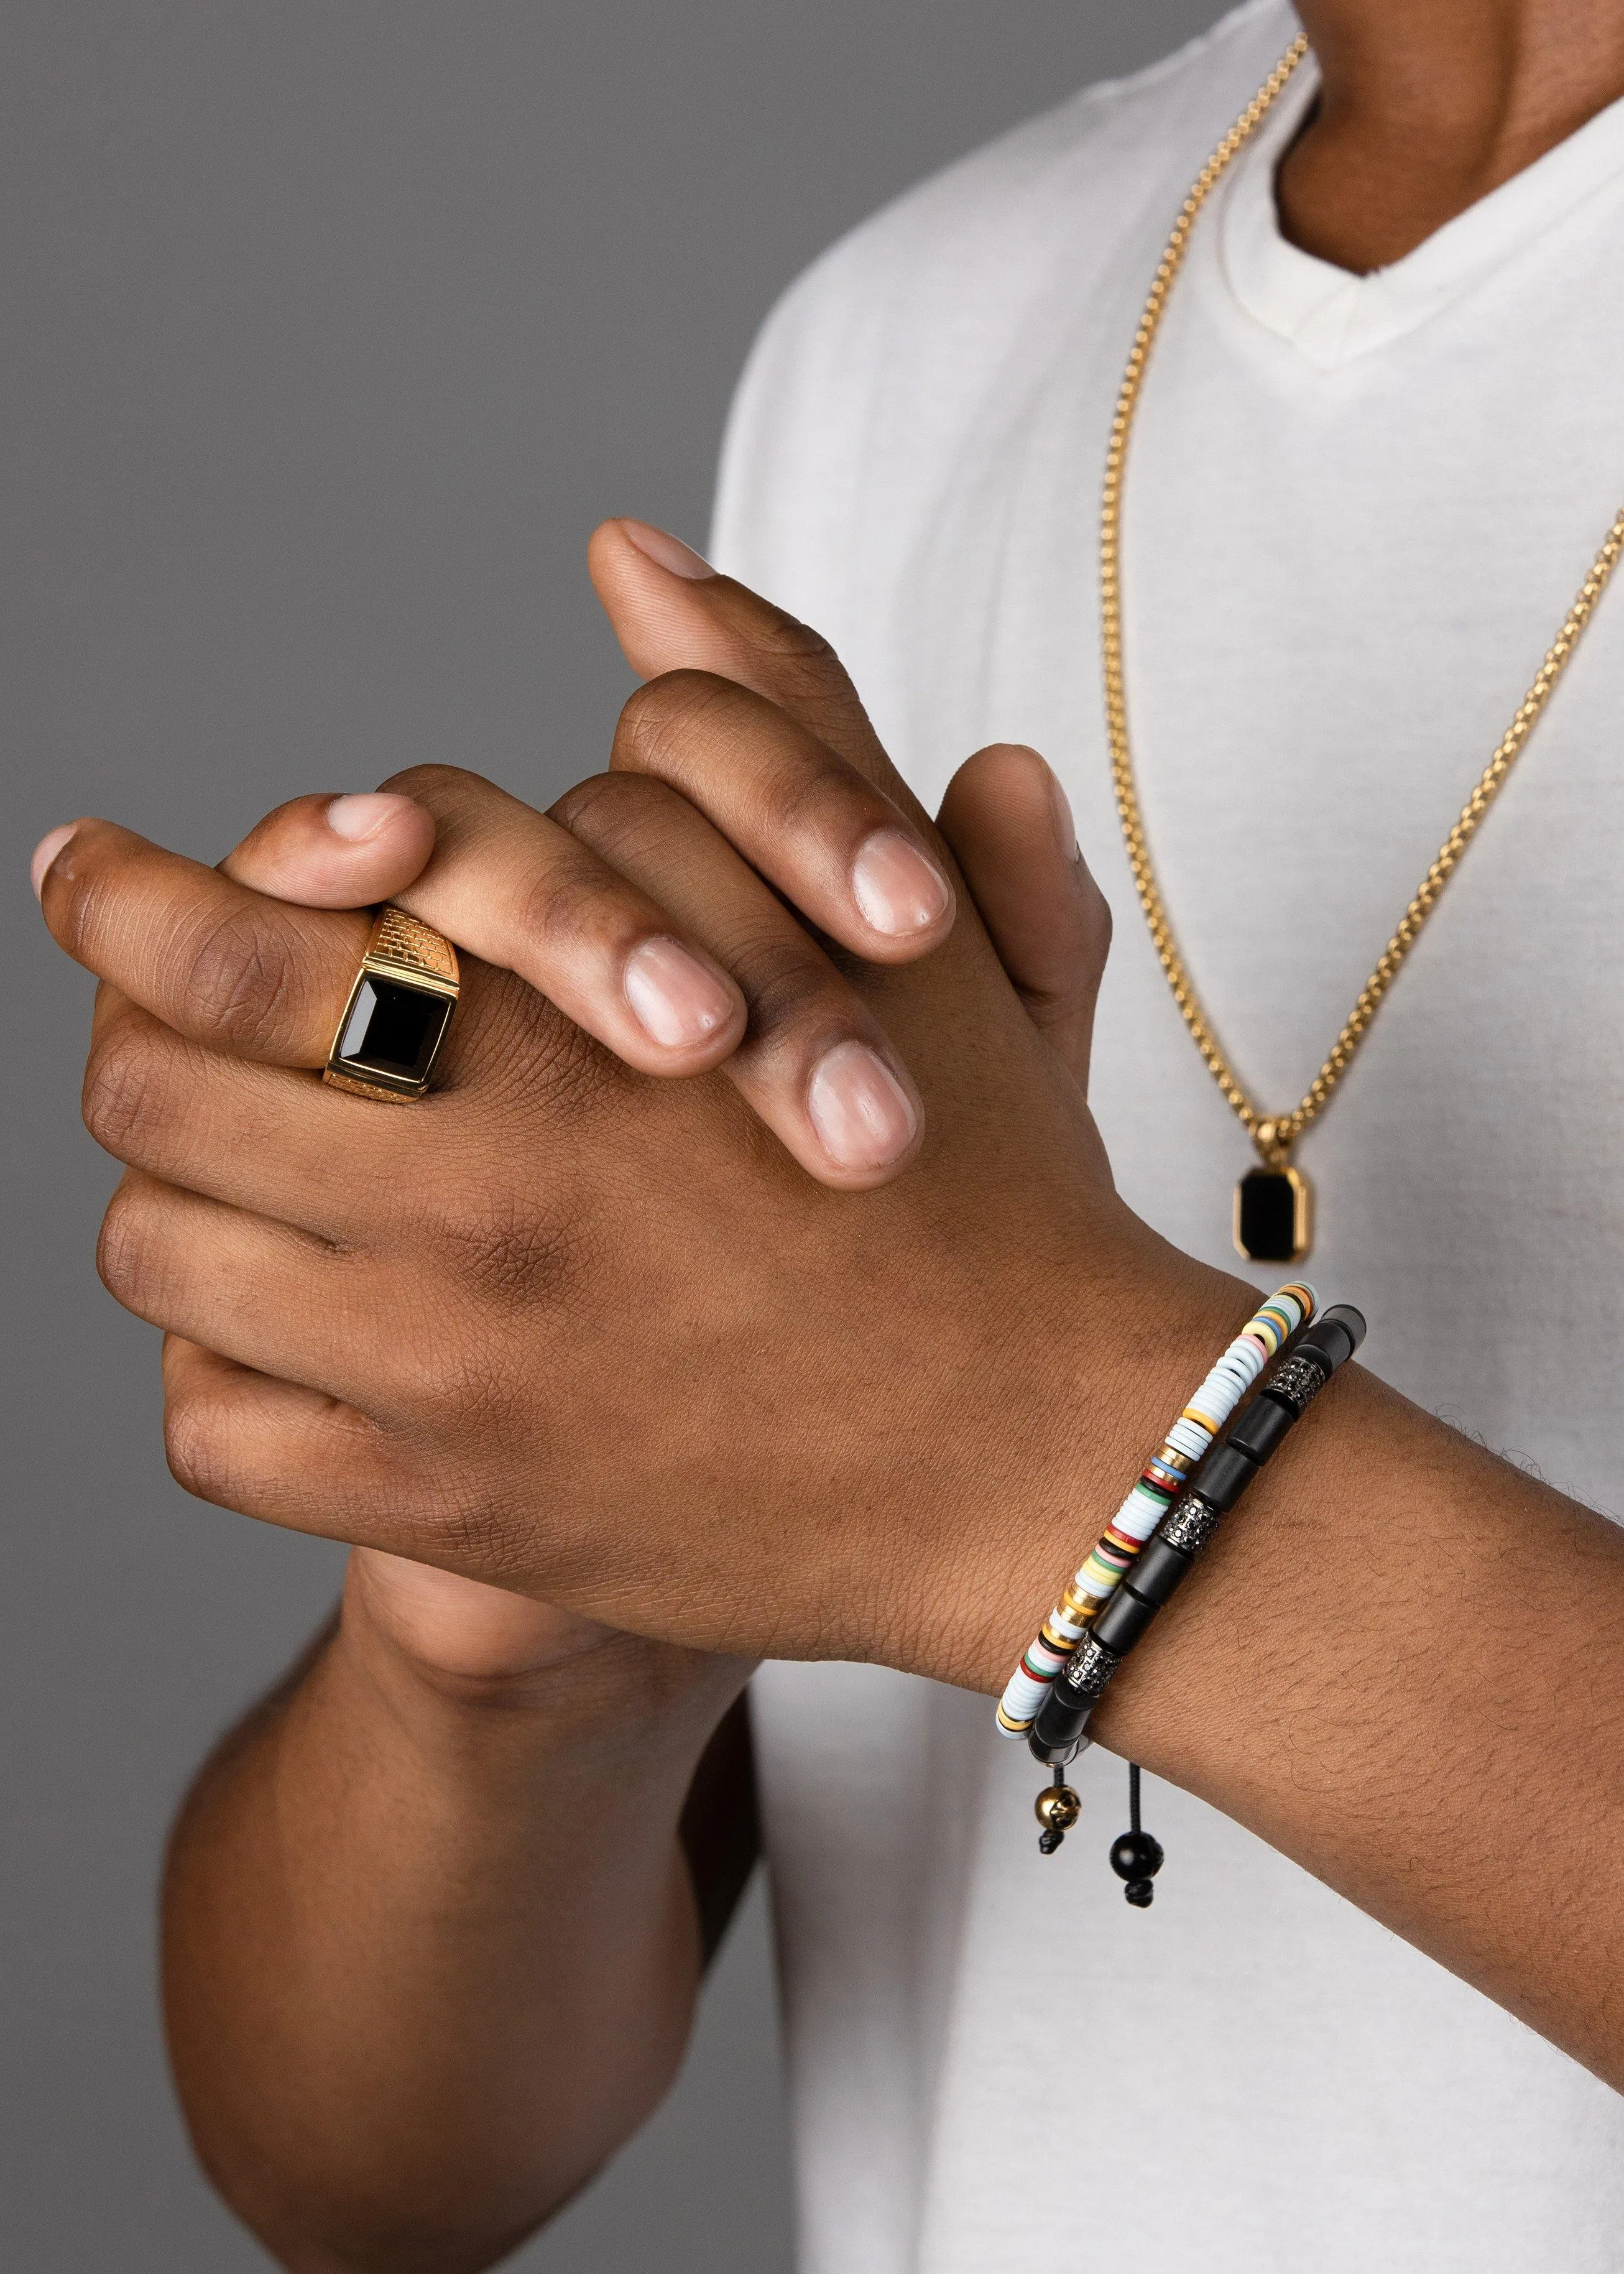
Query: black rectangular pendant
1273 1216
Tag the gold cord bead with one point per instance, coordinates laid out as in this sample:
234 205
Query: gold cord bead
1057 1808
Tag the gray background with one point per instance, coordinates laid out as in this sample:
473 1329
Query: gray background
332 325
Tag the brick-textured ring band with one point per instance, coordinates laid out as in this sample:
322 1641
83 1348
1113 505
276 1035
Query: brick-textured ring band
398 1012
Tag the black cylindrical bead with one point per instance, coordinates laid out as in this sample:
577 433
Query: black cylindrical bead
1058 1727
1224 1476
1337 1333
1261 1427
1158 1570
1123 1620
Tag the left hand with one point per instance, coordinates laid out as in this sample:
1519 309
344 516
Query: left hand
581 1335
1008 823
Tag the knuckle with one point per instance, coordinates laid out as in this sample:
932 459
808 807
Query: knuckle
807 675
126 1258
197 1445
672 725
558 906
786 637
242 982
585 797
636 822
784 984
661 719
812 791
611 812
803 657
439 787
123 1100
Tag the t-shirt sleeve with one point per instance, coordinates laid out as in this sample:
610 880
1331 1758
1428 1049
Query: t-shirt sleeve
784 488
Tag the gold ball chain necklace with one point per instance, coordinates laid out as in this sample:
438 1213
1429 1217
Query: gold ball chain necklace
1273 1207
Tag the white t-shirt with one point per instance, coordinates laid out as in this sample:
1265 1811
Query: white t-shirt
1358 510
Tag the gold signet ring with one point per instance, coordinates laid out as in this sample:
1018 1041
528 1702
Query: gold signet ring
398 1011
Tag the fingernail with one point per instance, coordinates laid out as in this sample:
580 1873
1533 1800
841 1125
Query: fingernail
363 813
674 999
898 888
1065 828
861 1112
45 852
666 551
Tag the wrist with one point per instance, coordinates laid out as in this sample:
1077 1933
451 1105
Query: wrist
464 1666
1109 1360
1191 1704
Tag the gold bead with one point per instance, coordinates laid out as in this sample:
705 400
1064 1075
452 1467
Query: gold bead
1057 1808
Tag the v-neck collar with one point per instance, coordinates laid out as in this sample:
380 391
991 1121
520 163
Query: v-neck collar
1332 315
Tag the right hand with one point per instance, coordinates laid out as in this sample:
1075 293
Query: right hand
1006 819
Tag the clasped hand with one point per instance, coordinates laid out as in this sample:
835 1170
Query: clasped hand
821 1350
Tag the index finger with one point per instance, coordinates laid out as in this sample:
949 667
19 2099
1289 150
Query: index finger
264 979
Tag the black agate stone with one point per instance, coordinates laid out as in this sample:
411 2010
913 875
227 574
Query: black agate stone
393 1032
1271 1215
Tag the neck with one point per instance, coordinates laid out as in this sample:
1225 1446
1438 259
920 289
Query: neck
1427 105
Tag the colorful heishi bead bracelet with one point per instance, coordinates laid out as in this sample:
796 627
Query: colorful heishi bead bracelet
1163 1479
1059 1729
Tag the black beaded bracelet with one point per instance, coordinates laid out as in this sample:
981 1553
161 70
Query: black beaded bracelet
1060 1731
1057 1735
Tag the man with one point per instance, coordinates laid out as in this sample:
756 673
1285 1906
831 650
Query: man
436 1914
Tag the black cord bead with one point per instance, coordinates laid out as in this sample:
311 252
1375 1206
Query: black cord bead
1136 1857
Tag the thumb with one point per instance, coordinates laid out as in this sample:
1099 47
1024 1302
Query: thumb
345 852
1007 820
670 611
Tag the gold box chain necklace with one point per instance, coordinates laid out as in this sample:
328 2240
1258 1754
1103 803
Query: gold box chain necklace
1273 1207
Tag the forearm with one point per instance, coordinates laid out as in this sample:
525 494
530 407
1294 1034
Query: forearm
430 1948
1402 1663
